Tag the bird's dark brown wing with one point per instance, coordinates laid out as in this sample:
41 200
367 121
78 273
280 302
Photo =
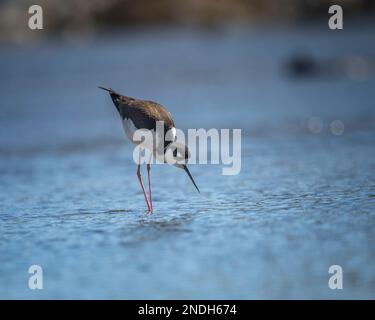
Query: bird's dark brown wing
144 114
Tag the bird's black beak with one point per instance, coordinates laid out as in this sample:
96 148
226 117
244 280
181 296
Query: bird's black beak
190 176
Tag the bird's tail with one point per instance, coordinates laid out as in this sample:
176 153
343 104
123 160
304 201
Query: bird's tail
109 90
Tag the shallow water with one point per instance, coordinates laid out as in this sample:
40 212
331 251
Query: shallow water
70 200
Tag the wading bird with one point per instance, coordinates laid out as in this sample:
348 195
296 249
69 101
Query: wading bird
141 114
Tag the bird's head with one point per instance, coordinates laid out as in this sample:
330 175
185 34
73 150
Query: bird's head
181 156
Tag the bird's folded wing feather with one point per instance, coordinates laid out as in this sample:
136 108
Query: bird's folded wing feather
144 114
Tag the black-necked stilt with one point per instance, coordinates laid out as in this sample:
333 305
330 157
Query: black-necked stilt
141 114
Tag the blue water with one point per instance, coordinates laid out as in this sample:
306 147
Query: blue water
70 200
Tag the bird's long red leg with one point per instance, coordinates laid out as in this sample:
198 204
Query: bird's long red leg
141 182
149 182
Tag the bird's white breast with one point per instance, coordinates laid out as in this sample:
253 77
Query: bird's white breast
129 128
142 136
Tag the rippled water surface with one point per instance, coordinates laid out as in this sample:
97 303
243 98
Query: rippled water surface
70 200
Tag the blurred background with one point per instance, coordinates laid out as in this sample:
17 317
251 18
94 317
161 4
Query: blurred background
84 17
301 93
